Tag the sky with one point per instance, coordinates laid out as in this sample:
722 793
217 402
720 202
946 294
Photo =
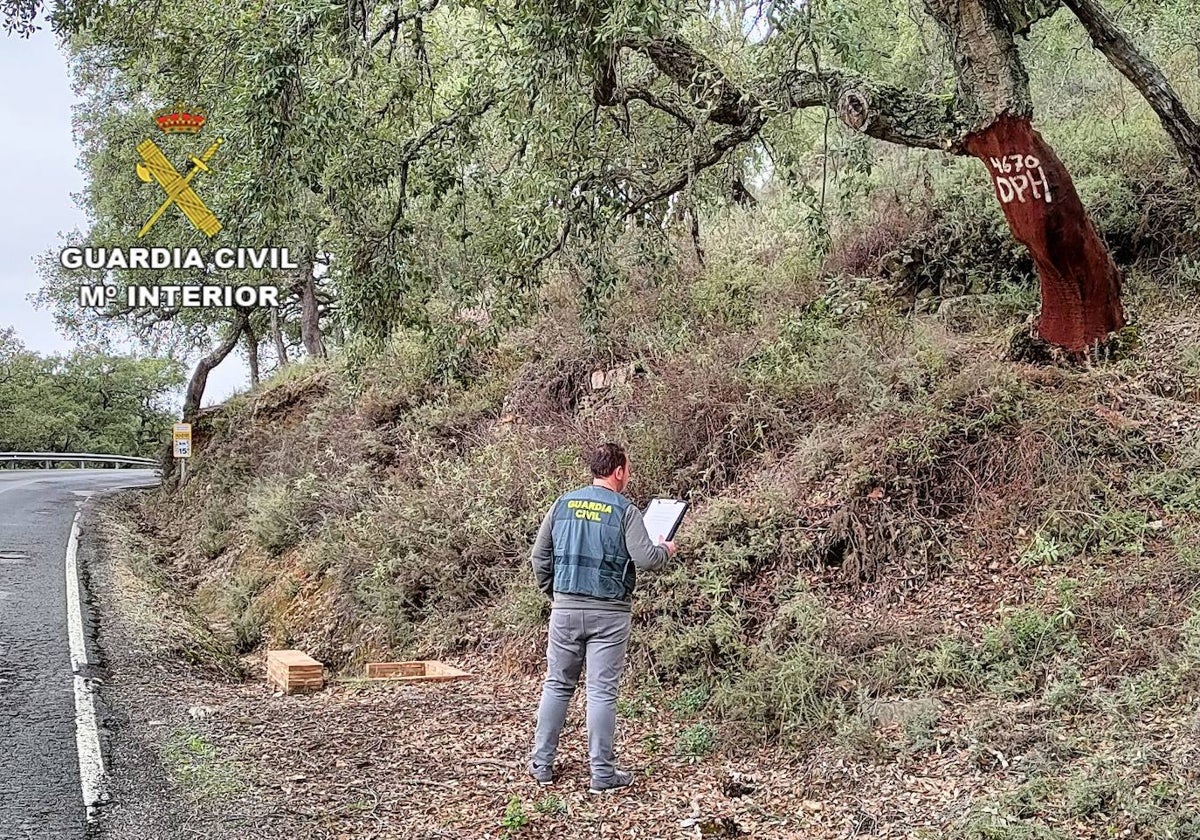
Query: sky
38 174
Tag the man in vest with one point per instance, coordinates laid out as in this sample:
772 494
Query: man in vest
589 548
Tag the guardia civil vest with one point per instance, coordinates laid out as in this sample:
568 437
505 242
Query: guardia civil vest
590 557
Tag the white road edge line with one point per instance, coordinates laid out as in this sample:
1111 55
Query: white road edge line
87 732
15 484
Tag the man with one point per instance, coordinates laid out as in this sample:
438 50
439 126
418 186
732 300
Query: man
589 548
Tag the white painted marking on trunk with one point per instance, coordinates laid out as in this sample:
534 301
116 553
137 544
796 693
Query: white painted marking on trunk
87 732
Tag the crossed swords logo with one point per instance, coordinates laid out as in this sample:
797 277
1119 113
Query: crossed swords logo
154 166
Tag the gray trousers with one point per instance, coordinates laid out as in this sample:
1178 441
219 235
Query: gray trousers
600 638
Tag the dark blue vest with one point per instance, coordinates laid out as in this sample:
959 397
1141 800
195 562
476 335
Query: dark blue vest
590 557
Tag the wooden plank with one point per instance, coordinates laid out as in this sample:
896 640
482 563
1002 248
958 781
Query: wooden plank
291 657
387 670
441 669
294 670
425 670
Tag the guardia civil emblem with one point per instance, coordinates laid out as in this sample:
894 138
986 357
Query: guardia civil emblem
154 167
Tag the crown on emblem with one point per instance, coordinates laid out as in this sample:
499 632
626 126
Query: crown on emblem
180 120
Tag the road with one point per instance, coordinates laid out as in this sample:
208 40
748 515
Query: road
41 797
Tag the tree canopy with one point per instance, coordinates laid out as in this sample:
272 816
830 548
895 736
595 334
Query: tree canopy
87 401
432 159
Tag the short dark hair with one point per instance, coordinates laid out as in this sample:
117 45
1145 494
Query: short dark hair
605 458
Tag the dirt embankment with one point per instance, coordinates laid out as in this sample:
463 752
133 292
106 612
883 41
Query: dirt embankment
922 587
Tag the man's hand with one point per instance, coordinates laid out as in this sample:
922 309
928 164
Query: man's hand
669 545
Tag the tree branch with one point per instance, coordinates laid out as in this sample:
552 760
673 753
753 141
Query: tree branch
658 103
413 148
878 110
704 160
1145 75
710 89
1022 14
392 27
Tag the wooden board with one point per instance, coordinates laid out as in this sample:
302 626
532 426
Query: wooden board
294 670
424 670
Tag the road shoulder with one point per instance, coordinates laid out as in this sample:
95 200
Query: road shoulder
162 781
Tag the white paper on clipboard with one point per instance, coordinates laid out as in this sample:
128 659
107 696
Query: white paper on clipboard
662 517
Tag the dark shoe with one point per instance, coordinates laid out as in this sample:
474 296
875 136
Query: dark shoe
541 774
619 779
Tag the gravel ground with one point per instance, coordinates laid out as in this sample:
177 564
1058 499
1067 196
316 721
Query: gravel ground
148 697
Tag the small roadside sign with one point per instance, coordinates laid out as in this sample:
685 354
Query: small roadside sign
181 434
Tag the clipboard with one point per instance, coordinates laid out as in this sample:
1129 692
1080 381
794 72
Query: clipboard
662 518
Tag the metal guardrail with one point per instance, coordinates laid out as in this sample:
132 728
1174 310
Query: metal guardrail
47 459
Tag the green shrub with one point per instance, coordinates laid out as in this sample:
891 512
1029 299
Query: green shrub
1065 689
1175 487
652 744
1089 793
952 663
551 805
248 618
1024 635
920 729
515 819
633 707
697 741
992 822
836 353
525 608
700 649
855 735
889 669
196 765
230 603
783 694
274 516
1024 638
455 539
690 701
215 532
1114 530
1190 640
1042 551
1149 688
728 289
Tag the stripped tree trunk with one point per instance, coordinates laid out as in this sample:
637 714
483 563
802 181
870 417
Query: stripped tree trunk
1080 284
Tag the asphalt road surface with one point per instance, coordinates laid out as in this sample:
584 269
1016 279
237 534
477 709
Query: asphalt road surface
40 791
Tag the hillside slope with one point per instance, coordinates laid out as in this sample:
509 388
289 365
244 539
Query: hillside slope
904 548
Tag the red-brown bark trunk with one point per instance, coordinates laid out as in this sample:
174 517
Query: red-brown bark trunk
1081 287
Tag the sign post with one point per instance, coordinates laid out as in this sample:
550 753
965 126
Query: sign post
181 439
